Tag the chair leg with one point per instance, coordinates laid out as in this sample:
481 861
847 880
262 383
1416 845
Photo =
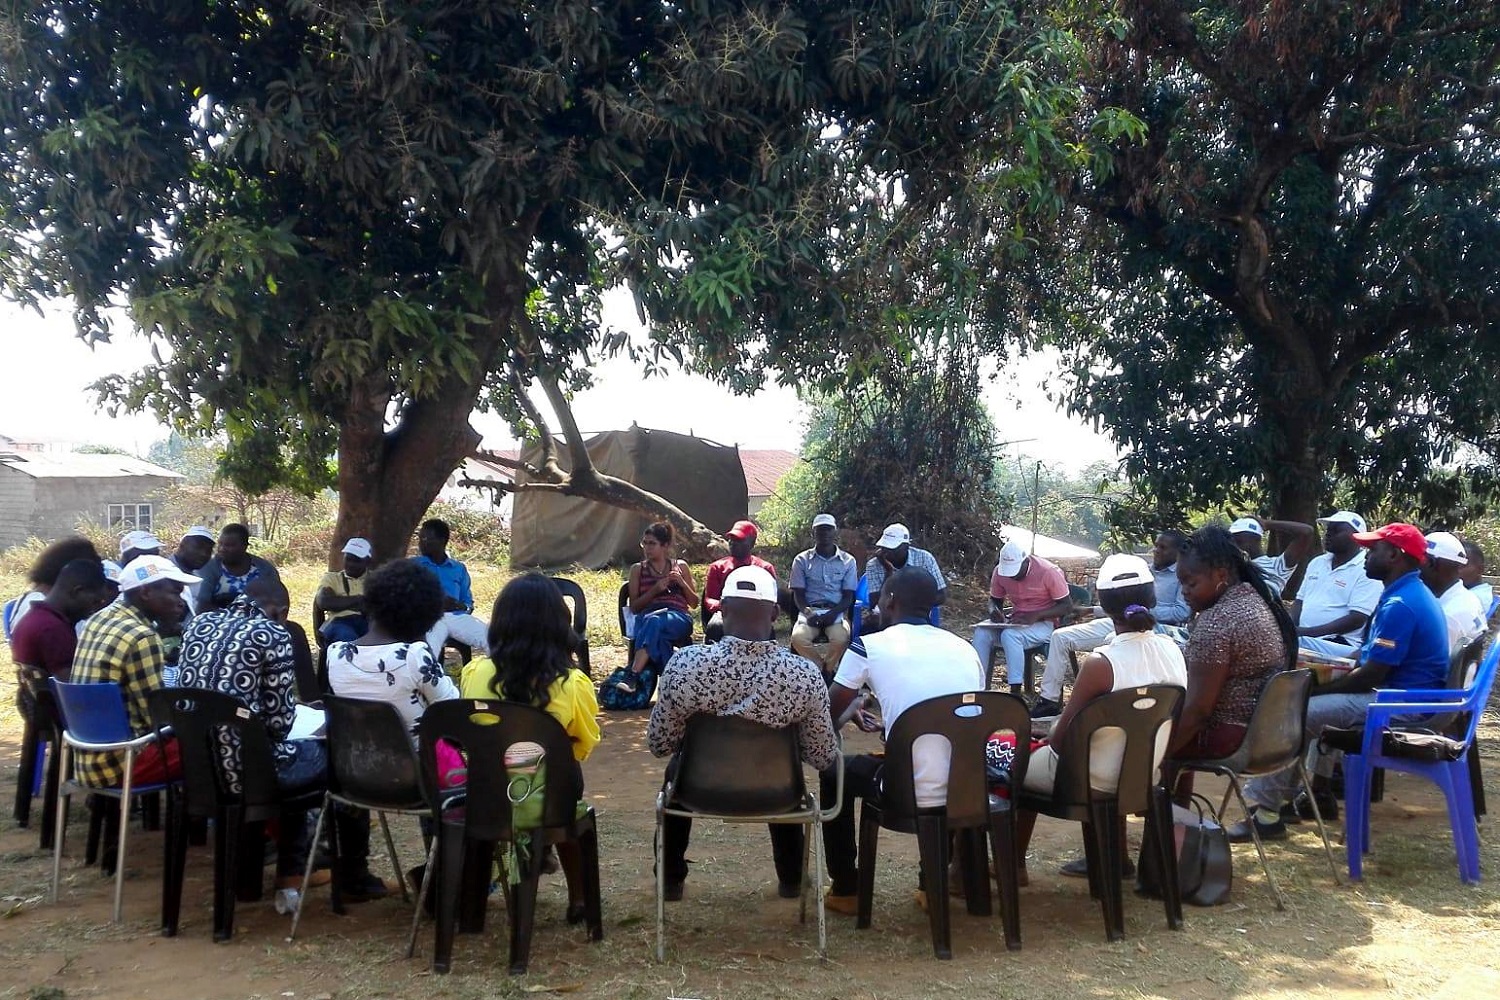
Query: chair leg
1454 781
450 864
307 867
1476 779
932 845
120 837
335 849
523 906
815 847
1003 847
473 900
422 891
661 890
806 886
869 838
390 847
232 819
1318 817
1092 861
174 861
976 877
58 837
1260 848
593 901
1160 838
49 792
1105 823
1356 814
26 777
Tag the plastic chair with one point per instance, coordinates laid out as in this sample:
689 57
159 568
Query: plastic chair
94 720
966 721
371 765
1382 742
1140 713
571 591
1274 740
712 782
471 826
199 717
41 759
9 615
862 601
310 690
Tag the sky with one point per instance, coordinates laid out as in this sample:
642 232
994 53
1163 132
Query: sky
45 396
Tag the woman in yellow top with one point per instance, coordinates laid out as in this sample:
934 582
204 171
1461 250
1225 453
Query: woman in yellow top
533 660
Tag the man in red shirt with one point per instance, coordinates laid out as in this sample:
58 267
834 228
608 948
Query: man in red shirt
1038 595
741 543
47 636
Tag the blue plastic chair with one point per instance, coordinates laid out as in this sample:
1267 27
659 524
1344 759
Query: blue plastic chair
94 721
1380 747
10 615
862 601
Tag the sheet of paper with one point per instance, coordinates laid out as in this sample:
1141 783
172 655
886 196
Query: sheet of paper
308 725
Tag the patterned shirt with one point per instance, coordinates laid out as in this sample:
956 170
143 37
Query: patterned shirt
241 652
119 645
920 558
1238 634
406 674
759 681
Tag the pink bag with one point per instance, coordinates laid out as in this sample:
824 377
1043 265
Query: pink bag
452 769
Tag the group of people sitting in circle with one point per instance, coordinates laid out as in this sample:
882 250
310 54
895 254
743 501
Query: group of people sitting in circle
1207 613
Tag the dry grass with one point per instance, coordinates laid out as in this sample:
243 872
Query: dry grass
1410 930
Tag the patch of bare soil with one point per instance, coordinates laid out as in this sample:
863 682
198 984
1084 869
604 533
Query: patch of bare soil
1410 930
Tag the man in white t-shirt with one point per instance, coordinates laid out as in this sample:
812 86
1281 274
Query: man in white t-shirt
1472 574
1336 598
1249 533
1461 610
907 662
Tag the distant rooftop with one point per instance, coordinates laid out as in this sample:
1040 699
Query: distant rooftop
72 465
765 467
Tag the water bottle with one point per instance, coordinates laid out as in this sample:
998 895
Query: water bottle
288 901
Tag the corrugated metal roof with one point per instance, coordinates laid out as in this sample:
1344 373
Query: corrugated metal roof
73 465
764 469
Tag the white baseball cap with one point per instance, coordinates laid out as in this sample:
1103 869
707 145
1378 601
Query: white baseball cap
1444 545
1247 526
359 548
1344 517
140 541
142 571
199 531
1012 555
111 571
893 537
1123 570
823 519
750 582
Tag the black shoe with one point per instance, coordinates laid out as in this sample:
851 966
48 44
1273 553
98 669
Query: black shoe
672 892
1328 807
1046 708
1239 833
1079 868
364 888
789 890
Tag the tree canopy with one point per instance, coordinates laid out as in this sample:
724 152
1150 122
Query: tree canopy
350 223
1294 281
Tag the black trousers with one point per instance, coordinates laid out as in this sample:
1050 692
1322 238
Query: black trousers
786 844
862 780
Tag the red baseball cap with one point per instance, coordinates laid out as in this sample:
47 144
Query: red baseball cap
1406 537
747 530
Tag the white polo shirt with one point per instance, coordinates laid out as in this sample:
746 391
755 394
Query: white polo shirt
1464 615
906 664
1330 592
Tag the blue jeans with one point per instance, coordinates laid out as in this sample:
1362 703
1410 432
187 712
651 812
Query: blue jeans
658 630
345 629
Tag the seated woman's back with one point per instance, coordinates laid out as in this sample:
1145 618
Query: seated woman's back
1136 659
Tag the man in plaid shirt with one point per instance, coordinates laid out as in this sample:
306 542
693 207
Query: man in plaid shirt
121 644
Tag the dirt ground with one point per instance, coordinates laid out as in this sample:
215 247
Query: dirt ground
732 937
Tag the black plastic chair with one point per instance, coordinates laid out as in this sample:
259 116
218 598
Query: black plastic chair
1274 740
371 765
966 721
1140 713
571 591
468 829
305 666
42 729
712 781
198 716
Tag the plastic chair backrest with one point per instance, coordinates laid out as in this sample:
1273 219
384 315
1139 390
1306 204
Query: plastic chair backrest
197 717
966 721
1275 733
370 754
1463 667
712 772
1138 712
484 730
92 713
627 617
34 680
1477 692
571 591
10 614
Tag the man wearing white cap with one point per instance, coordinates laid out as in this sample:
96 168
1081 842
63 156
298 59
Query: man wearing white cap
138 543
895 551
748 676
194 551
121 644
1445 560
1038 595
1249 533
824 579
1336 598
341 594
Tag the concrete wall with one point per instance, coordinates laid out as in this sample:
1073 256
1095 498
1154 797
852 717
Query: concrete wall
48 508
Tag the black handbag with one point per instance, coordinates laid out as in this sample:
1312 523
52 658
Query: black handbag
1205 865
